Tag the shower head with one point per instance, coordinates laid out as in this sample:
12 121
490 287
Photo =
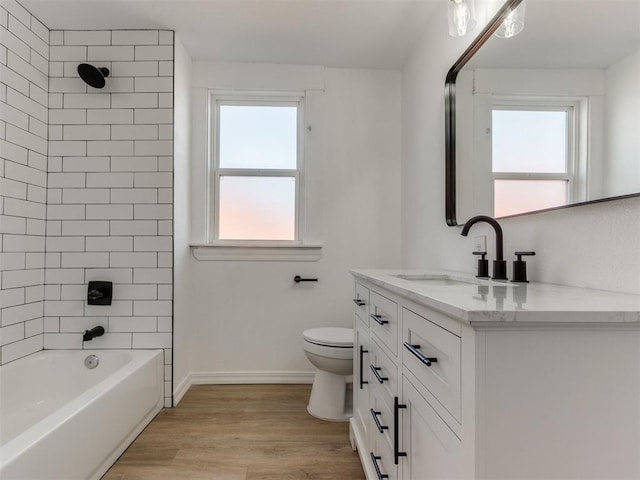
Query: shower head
93 76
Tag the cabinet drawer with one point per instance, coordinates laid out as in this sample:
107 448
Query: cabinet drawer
383 373
383 460
380 415
384 321
442 378
361 303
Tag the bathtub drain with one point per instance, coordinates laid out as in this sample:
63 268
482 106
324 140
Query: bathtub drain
91 361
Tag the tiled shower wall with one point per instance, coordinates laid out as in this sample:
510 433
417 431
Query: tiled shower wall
109 196
24 64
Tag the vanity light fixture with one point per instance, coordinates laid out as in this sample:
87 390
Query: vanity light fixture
461 15
513 23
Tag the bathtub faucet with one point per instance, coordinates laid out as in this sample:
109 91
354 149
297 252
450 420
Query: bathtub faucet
93 333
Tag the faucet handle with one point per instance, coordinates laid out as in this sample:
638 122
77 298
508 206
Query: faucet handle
520 255
483 265
520 268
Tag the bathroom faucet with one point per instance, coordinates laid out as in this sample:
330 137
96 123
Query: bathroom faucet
93 333
499 264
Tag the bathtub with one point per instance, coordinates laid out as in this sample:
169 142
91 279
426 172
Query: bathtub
62 420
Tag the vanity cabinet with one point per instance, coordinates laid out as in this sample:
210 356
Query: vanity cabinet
457 393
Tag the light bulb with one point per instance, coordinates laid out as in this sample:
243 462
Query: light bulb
461 17
513 23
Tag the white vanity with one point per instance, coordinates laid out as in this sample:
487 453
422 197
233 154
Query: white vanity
456 377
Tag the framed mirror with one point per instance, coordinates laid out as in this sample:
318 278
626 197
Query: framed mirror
549 118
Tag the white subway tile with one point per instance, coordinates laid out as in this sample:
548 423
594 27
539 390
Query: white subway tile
37 160
165 292
54 164
112 147
51 324
34 327
80 324
37 127
26 243
56 69
34 293
24 103
73 292
56 100
52 292
134 164
15 332
14 116
166 37
154 84
67 85
135 292
147 212
120 85
39 29
40 63
18 11
14 189
56 37
67 53
86 100
66 212
85 260
134 132
38 94
165 100
153 147
154 52
67 116
135 227
84 37
109 244
121 259
142 180
165 132
12 261
35 259
4 17
54 227
65 244
109 116
134 195
135 69
115 275
64 148
85 227
63 276
165 69
86 132
154 115
29 140
168 356
165 259
22 278
118 308
153 275
36 194
21 313
12 297
110 53
15 44
62 341
14 80
152 244
52 260
64 308
24 208
24 33
113 180
111 340
152 340
85 195
134 100
13 152
9 224
85 164
54 195
20 349
110 212
135 37
132 324
62 180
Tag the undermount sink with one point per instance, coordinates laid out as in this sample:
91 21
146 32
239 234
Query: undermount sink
435 280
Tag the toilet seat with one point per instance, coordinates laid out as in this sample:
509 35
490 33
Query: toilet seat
334 337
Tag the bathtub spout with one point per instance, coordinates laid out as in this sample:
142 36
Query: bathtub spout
93 333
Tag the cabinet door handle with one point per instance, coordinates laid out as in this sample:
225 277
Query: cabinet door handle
362 352
376 420
414 349
396 430
378 319
375 371
359 302
375 459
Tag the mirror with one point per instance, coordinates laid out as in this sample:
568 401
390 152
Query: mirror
549 118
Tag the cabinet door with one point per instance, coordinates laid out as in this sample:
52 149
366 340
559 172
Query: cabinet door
433 450
360 377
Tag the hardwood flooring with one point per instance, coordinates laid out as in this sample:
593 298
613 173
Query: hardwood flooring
240 432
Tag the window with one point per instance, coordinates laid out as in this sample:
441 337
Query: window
533 156
256 186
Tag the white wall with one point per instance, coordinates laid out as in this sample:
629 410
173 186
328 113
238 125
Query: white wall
592 246
244 319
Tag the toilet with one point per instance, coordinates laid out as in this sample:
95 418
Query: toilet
330 350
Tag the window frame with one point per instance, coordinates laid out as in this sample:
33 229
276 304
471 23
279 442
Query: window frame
572 106
252 98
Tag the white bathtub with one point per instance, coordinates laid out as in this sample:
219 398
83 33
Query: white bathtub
61 420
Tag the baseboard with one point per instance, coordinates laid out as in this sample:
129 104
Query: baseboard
238 378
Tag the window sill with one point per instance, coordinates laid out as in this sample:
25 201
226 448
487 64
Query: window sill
256 252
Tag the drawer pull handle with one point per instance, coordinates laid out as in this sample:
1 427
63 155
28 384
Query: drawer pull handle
375 371
362 352
378 319
414 349
396 430
375 459
380 427
359 302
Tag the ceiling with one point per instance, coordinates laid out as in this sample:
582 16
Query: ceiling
337 33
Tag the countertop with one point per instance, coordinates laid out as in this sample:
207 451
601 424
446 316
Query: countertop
479 301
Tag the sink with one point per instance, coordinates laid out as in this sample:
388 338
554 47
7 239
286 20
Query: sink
435 280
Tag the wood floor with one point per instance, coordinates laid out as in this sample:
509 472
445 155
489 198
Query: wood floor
240 432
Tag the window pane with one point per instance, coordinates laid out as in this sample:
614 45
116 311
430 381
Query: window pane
258 137
257 208
529 141
519 196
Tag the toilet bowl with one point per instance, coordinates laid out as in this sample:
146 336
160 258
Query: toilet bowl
330 350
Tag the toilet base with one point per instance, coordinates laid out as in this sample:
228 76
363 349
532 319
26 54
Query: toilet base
329 400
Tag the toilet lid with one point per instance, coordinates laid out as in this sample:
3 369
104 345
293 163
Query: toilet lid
331 336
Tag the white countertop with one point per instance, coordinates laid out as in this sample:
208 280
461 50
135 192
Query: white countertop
485 301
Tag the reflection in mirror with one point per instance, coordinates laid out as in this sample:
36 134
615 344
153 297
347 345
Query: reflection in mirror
550 117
